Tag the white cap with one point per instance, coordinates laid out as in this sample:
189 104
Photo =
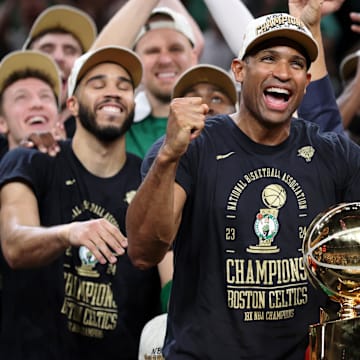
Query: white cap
278 25
349 65
177 21
122 56
23 60
152 338
69 18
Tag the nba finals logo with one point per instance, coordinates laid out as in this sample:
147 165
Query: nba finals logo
266 224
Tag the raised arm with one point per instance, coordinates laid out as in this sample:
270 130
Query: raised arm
124 26
348 100
308 12
319 103
231 17
25 243
154 214
233 14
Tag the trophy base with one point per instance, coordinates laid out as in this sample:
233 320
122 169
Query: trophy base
335 340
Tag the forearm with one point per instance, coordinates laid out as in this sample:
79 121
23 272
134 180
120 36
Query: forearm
124 26
32 246
154 215
310 12
230 15
151 222
24 242
319 106
348 102
318 68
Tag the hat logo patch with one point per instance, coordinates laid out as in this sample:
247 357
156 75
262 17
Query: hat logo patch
278 22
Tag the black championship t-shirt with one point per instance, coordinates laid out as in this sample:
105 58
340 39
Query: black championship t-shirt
240 289
100 308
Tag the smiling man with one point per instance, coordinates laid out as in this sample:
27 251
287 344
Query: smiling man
233 196
62 225
30 95
63 32
166 48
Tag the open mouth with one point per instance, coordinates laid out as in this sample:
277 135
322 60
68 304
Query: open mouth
36 120
277 94
277 98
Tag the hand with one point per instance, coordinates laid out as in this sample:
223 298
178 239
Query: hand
59 131
310 11
103 239
43 141
330 6
185 123
355 17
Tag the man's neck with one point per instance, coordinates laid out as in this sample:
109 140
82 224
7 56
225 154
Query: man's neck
159 108
261 134
100 159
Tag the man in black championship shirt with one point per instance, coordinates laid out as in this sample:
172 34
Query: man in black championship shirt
70 290
234 194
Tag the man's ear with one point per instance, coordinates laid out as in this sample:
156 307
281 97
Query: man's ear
308 80
4 129
73 105
237 67
194 58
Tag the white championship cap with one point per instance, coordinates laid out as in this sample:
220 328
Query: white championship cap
22 60
68 18
177 21
278 25
122 56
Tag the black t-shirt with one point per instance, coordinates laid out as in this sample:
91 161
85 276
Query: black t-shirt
4 146
100 308
70 126
239 289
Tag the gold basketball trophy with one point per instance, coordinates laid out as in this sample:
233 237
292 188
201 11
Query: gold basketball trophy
331 251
